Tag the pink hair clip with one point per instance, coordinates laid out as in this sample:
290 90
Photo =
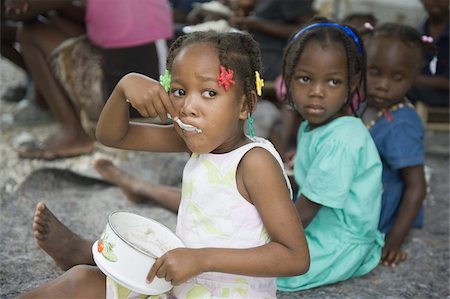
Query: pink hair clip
368 26
225 78
427 39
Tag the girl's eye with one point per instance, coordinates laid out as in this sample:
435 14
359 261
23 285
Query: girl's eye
209 94
334 82
373 72
178 92
398 77
304 79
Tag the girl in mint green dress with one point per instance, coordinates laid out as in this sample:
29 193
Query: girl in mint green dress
337 166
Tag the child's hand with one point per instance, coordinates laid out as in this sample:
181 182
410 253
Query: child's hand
177 265
392 255
147 96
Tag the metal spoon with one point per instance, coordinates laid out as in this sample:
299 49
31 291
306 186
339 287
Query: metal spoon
184 126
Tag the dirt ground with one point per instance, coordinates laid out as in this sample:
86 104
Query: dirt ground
75 194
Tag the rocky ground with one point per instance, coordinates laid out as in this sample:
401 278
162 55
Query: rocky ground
74 192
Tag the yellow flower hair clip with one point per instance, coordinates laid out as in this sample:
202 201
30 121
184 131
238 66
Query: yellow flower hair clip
165 79
259 84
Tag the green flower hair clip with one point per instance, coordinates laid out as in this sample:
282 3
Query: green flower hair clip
165 79
259 83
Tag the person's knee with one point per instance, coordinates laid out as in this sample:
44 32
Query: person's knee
85 275
81 281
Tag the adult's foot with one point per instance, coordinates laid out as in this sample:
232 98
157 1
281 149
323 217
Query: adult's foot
131 187
58 241
57 147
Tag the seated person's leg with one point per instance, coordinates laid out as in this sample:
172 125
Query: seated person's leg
79 282
38 40
8 50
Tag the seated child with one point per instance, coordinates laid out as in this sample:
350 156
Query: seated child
236 217
394 58
337 166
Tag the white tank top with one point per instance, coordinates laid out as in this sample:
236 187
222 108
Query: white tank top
213 213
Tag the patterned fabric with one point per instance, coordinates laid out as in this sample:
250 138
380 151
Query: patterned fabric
77 67
212 213
117 291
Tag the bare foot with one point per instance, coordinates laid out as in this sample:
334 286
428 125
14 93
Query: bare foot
60 145
130 185
63 245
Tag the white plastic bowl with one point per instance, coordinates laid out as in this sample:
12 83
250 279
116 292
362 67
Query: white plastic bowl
127 249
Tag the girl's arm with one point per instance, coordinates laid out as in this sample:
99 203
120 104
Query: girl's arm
150 99
415 191
307 209
286 254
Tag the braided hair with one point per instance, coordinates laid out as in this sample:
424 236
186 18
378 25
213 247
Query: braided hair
408 35
355 52
237 51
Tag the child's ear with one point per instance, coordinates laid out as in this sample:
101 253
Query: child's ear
245 109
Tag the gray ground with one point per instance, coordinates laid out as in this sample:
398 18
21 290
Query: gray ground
73 192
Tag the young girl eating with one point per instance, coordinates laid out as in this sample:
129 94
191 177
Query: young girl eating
337 166
236 217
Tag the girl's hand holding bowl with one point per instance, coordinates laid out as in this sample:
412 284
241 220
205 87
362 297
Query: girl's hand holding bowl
128 248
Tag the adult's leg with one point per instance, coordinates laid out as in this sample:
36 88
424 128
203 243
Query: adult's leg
9 51
79 282
137 190
63 245
38 40
8 38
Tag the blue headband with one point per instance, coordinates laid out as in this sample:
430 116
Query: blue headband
347 30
